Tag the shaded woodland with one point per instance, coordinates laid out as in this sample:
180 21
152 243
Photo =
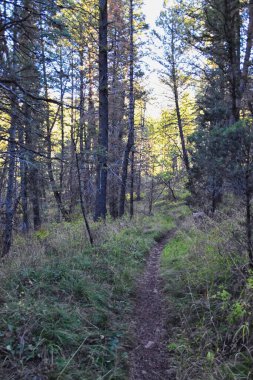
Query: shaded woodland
67 111
90 179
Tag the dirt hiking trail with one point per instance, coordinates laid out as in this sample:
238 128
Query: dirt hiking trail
149 357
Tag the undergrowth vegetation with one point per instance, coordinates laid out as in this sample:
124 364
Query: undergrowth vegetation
65 304
210 292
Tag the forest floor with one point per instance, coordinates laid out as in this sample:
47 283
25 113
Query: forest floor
149 358
191 320
160 297
66 316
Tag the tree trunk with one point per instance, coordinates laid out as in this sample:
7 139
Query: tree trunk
130 139
116 115
102 148
178 112
33 171
90 135
247 61
132 187
62 124
23 180
9 201
72 169
11 154
232 30
87 226
180 128
81 159
138 190
151 194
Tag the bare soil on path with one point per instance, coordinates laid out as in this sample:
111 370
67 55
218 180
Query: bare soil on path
149 359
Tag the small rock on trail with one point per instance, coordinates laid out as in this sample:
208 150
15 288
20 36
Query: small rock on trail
149 357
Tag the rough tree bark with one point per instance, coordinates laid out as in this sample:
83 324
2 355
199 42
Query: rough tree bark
23 179
132 186
32 165
9 201
90 134
81 127
102 148
11 154
130 139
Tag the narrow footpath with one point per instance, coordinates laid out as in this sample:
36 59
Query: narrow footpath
149 358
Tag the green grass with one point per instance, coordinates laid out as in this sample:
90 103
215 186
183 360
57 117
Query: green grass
65 305
210 301
177 249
